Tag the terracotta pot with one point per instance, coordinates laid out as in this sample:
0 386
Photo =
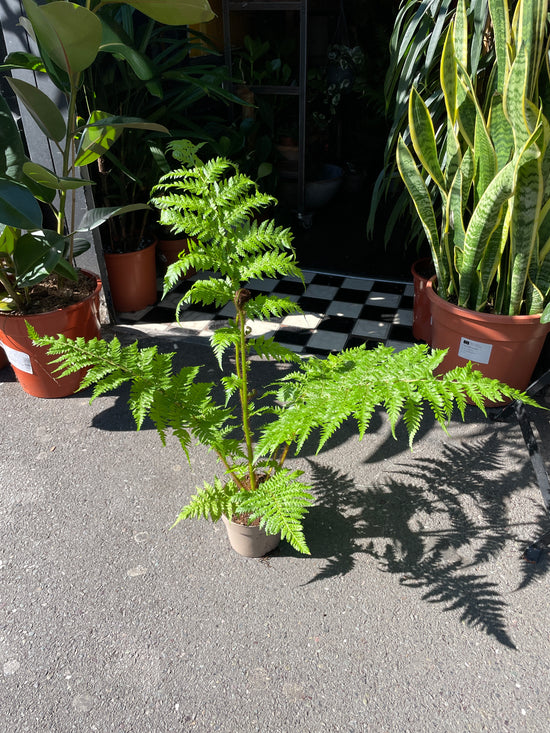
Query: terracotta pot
250 541
30 363
132 278
169 250
422 319
501 347
3 359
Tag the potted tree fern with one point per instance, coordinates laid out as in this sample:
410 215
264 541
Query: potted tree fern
253 435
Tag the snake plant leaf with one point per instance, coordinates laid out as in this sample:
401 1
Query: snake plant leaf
423 137
514 98
524 222
485 159
545 317
171 12
502 38
69 33
18 207
43 110
485 218
460 33
47 178
500 131
448 76
419 193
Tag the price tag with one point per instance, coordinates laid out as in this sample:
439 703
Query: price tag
475 351
18 359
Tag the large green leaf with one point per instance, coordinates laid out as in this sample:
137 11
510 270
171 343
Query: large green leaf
69 33
171 12
38 255
12 152
47 178
127 123
95 217
18 207
95 141
22 60
43 110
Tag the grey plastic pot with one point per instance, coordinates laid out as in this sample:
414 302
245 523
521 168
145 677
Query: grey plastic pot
250 540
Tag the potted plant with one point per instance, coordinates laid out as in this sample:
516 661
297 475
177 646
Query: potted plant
37 273
254 434
154 80
488 225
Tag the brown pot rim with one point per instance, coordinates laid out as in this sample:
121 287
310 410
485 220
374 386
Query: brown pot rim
477 316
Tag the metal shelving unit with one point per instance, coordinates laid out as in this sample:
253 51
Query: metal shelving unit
299 90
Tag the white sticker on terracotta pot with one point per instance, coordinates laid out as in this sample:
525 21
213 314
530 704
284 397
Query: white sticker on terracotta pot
18 359
475 350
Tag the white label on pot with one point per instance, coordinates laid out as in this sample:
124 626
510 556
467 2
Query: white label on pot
18 359
475 350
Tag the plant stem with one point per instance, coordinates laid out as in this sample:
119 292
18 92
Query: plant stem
241 358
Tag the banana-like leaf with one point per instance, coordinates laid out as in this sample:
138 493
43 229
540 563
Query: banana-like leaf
69 33
171 12
18 207
43 110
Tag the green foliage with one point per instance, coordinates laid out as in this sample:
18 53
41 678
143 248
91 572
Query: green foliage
217 204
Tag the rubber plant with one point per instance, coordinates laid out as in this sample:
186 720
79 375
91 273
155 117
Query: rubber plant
68 37
217 206
487 218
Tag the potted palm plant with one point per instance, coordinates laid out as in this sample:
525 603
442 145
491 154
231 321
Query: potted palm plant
253 434
486 217
37 274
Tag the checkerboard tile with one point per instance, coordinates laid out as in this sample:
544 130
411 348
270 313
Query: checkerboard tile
338 312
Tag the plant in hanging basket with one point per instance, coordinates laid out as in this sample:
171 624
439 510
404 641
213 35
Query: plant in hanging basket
254 433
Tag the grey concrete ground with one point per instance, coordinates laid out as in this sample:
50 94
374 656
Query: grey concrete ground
415 611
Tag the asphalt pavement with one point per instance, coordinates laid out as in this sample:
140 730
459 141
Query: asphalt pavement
415 611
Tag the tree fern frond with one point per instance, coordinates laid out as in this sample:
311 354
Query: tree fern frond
268 348
267 306
280 503
211 502
223 338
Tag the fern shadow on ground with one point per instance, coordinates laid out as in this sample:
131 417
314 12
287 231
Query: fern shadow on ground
435 524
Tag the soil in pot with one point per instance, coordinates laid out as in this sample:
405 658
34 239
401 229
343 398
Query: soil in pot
78 317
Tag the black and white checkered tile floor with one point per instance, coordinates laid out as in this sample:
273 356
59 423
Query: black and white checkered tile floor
339 312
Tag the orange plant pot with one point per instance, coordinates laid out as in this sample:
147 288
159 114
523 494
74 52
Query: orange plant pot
506 348
422 317
30 363
132 279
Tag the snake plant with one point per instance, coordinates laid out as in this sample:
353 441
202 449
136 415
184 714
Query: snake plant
487 219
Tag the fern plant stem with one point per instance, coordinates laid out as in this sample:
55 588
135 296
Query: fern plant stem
241 359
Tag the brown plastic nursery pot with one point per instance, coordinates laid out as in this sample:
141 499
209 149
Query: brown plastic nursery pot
250 540
422 325
132 278
506 348
30 363
169 250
